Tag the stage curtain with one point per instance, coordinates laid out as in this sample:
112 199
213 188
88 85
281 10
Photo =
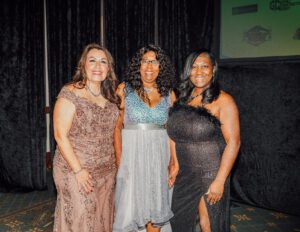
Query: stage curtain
129 25
72 24
183 26
22 117
267 171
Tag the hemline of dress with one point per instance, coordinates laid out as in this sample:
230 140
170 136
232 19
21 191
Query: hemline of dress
142 225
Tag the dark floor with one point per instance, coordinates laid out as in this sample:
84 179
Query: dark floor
34 212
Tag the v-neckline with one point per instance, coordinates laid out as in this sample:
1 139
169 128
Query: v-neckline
151 108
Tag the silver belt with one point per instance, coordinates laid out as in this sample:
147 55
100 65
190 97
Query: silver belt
144 126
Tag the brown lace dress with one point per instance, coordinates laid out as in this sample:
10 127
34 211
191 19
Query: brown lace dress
91 136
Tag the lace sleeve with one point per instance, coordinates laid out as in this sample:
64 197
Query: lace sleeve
67 94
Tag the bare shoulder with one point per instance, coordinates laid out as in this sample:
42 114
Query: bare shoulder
226 102
70 87
120 89
121 86
76 88
173 96
65 100
225 98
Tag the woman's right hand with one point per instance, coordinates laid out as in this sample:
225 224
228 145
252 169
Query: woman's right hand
84 181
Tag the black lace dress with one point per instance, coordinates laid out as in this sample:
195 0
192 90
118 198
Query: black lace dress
199 147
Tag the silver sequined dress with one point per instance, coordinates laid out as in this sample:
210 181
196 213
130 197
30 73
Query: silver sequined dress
142 192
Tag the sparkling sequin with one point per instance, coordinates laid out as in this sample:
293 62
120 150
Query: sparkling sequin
137 111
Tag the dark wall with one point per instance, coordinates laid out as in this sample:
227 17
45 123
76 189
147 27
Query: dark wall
267 171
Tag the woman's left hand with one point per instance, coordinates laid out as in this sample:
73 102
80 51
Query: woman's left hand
215 191
173 171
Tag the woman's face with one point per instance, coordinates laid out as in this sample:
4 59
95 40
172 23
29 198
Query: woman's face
149 68
96 65
202 71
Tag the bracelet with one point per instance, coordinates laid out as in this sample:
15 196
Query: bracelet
78 171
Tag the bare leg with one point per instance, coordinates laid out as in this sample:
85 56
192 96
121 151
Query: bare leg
203 215
150 228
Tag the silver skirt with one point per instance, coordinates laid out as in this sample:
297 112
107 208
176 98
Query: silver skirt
142 192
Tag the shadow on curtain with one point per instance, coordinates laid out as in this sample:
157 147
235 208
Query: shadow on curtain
22 117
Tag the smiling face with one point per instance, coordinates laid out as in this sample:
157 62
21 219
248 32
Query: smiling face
149 68
96 65
202 71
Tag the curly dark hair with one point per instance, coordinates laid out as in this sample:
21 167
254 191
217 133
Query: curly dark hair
186 87
166 78
109 85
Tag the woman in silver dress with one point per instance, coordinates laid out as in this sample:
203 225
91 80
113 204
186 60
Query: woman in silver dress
145 156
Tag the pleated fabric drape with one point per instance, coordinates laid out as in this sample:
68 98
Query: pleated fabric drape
22 117
267 172
129 25
184 26
71 26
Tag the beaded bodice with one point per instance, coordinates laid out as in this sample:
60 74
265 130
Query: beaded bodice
137 111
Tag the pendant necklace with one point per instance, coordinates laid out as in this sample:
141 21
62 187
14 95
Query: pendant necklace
148 90
94 94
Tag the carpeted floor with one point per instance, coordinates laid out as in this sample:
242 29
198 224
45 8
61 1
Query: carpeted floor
34 212
245 218
36 218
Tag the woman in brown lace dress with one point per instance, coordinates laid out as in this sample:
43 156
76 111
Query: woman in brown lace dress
84 117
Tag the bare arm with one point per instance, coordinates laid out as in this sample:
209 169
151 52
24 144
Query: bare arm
119 126
229 118
173 165
231 131
63 114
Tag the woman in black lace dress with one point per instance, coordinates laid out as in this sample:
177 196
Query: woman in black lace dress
204 124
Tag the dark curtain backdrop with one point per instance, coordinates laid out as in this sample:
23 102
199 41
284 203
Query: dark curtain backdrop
72 24
267 171
22 118
129 25
183 26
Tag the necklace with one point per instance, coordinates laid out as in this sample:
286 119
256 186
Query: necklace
148 90
193 97
94 94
